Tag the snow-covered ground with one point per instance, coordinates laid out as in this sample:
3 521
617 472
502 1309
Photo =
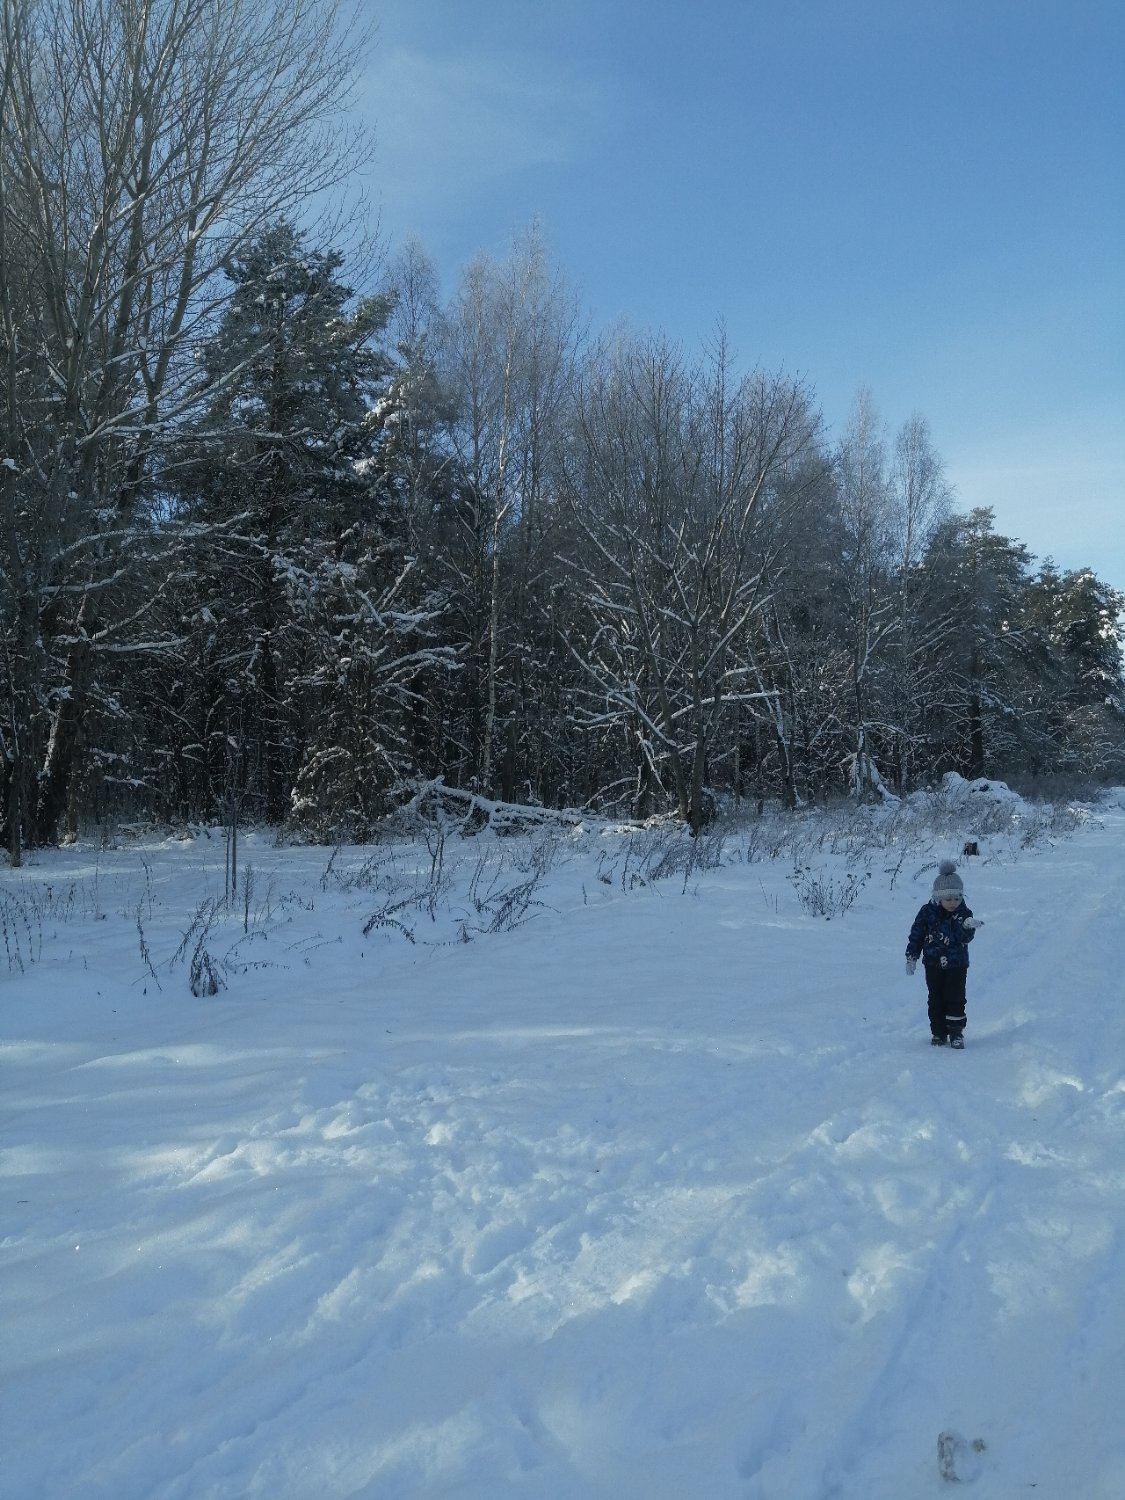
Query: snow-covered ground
661 1194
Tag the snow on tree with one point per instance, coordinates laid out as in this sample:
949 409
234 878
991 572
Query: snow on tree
142 142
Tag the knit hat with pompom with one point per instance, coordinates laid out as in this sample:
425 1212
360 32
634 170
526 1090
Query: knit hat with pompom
948 882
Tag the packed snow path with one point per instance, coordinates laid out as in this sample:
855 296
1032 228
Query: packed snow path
664 1195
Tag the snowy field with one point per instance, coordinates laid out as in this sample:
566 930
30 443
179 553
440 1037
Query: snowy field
655 1191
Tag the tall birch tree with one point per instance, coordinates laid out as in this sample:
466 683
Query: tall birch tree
509 337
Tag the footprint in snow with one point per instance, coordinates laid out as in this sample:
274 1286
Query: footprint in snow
959 1460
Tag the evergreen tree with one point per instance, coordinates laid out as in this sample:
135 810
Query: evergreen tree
1081 620
987 711
306 627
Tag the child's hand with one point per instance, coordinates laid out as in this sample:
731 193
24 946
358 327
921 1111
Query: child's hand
972 923
911 965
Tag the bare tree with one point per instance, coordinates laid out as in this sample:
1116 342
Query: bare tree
865 510
672 490
920 504
510 334
141 143
794 651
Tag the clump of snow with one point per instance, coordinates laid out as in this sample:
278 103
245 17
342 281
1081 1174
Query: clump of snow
955 788
578 1175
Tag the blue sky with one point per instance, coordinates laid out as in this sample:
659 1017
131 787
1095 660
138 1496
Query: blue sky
927 199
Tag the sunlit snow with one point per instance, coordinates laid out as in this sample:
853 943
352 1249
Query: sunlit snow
661 1194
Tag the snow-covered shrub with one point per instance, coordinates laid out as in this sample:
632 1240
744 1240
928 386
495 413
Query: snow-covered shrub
765 837
503 907
405 882
204 975
825 895
21 930
492 879
204 972
387 916
981 807
24 913
663 849
671 851
1040 823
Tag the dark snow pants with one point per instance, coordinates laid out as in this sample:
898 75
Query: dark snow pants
945 991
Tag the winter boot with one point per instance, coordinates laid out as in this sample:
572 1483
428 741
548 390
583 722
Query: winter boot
957 1041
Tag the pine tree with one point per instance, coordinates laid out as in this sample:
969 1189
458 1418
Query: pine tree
1079 618
302 579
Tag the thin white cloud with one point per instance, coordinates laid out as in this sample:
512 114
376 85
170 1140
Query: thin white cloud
446 125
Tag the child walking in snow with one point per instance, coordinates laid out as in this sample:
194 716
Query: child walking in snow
940 936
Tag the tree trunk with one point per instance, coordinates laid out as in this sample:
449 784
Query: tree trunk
700 816
976 725
14 809
54 781
493 662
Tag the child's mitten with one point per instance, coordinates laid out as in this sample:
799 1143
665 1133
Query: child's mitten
911 965
972 923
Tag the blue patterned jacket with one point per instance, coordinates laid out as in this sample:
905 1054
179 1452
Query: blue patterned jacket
941 937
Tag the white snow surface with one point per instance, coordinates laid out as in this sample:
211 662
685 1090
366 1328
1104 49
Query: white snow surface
662 1194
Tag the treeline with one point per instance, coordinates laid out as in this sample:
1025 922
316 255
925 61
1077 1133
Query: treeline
272 550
